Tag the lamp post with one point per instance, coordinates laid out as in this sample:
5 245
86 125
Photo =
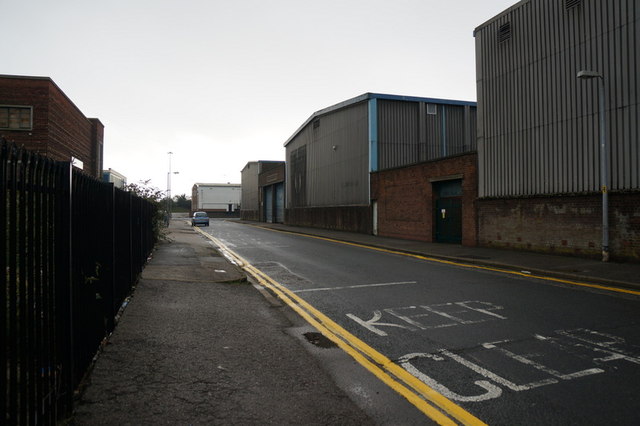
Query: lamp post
169 186
604 161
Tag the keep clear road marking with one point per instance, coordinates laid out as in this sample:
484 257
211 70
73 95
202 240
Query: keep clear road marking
426 399
464 265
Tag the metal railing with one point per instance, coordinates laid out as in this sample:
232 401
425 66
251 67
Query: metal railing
71 248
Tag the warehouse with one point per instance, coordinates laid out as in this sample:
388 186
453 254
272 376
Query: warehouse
349 167
539 146
263 191
217 199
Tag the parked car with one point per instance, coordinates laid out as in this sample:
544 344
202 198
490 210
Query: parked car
200 218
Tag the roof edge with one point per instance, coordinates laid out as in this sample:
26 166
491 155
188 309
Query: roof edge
500 15
260 162
56 87
216 184
370 95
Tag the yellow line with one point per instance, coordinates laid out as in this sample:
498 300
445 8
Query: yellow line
421 395
454 263
419 403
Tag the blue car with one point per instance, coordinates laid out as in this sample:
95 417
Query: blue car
200 218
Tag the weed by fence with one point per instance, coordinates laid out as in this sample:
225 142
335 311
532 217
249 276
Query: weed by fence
71 247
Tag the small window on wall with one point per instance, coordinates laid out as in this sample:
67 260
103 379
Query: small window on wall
432 109
15 117
504 32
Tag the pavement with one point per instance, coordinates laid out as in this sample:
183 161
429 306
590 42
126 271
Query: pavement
198 344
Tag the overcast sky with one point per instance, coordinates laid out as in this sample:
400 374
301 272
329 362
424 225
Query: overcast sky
221 83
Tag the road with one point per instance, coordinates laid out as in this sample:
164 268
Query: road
502 348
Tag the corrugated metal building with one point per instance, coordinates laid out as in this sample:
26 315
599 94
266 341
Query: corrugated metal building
117 179
538 126
250 195
333 154
263 191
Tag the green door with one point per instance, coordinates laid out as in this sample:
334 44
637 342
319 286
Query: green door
448 212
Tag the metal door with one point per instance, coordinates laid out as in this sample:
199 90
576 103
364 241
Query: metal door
449 220
279 210
448 212
268 204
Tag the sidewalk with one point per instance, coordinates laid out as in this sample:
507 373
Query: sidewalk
625 275
197 344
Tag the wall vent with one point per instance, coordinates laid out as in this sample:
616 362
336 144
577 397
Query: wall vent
504 32
432 109
570 4
316 123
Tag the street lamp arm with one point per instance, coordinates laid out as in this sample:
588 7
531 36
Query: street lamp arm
588 74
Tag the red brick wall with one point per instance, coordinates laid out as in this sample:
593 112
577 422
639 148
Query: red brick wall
562 224
406 201
60 130
28 92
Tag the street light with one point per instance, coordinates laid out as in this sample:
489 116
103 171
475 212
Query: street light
169 186
604 162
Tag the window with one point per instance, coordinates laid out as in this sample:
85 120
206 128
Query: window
15 117
432 109
504 32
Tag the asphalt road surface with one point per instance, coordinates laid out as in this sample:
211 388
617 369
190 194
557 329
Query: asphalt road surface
504 348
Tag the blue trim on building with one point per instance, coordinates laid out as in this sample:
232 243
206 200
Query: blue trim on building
419 99
443 123
373 135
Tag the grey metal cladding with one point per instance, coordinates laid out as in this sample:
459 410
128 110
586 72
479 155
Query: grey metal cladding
398 133
537 124
298 176
408 134
250 194
337 155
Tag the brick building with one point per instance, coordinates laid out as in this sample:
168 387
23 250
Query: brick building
385 164
35 113
429 201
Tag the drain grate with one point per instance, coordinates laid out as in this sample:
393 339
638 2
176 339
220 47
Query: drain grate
319 340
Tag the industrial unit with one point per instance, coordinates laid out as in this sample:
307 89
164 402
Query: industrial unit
346 165
36 113
117 179
263 191
539 144
217 199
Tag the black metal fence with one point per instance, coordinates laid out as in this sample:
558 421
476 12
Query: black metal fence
71 247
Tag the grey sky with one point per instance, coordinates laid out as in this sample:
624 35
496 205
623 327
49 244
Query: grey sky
221 83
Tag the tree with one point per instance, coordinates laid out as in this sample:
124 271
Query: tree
182 202
143 189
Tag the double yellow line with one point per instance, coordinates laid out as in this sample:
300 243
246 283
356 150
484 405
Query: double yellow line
464 265
427 400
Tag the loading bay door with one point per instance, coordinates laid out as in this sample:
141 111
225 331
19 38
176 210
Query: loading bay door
274 203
